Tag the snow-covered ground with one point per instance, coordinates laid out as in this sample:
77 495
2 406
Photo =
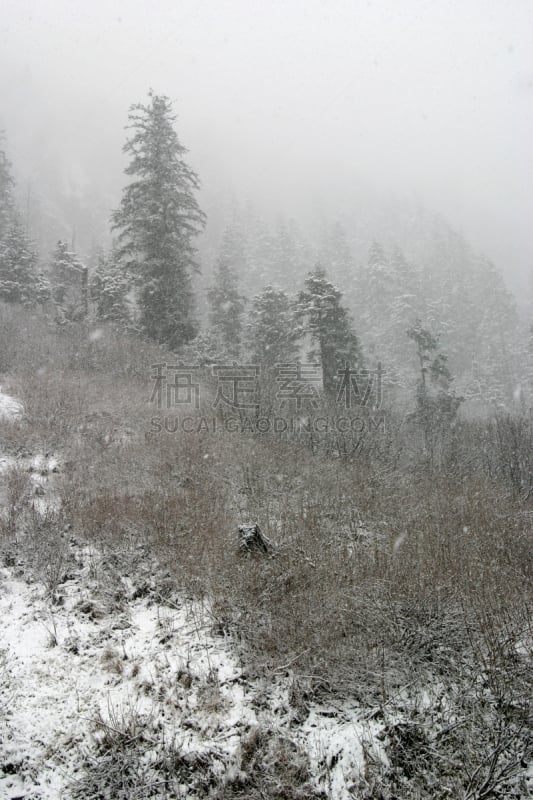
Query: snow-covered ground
108 670
9 407
65 666
74 667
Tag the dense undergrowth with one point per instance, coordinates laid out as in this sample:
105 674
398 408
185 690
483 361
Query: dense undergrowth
401 582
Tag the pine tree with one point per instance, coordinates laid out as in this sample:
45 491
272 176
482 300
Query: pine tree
436 402
18 266
405 282
108 290
69 284
43 289
226 302
405 308
157 222
334 343
497 373
7 184
272 333
19 281
451 294
205 350
376 284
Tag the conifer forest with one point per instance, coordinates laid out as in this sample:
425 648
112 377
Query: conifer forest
266 392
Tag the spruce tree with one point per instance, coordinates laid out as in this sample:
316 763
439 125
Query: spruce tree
108 290
225 301
7 184
272 332
158 219
404 310
18 266
326 321
496 336
69 284
43 289
436 402
376 293
18 259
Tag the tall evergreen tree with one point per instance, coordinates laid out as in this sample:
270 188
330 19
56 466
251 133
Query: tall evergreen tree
7 184
18 266
436 402
496 335
69 279
405 308
20 281
326 321
272 333
225 301
157 221
376 293
43 289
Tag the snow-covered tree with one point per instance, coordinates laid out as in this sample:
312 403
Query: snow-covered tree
333 341
157 221
436 402
405 307
108 290
43 289
496 372
205 350
374 304
272 332
18 266
69 280
7 184
225 301
19 282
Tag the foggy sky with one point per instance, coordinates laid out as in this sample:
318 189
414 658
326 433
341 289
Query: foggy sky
291 103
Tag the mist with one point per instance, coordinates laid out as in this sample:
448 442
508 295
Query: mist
266 399
297 108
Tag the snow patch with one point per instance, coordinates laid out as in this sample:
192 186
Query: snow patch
10 409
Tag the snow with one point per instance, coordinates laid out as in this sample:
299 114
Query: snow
42 470
335 739
78 660
62 669
10 408
69 666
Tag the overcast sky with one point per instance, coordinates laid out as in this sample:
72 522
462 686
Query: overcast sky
295 99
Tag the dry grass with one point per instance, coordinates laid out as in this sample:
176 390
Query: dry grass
385 575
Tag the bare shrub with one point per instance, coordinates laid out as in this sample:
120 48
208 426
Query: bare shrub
131 760
383 577
46 551
271 766
16 496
